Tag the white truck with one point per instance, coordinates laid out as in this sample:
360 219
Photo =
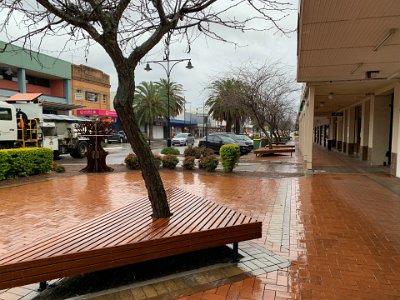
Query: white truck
23 124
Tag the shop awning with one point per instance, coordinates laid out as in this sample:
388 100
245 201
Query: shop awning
74 119
59 106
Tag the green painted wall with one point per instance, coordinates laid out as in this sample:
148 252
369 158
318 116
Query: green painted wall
22 58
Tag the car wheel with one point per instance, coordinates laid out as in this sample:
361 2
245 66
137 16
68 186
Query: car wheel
121 140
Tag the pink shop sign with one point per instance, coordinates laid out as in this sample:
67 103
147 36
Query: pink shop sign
96 112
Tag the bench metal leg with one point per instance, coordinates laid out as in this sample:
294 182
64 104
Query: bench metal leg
235 252
42 286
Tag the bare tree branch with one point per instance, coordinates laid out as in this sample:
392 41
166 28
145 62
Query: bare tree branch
128 30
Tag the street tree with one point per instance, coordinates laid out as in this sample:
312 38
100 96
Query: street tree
128 30
176 99
224 103
148 105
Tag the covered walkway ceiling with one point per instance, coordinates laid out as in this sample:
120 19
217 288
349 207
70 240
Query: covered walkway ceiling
348 49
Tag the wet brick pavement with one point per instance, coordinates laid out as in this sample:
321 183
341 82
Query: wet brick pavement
332 235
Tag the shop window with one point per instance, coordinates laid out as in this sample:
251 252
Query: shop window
91 96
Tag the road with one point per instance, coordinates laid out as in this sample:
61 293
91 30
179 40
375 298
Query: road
117 154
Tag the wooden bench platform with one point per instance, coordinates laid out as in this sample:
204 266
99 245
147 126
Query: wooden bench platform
281 146
273 150
128 235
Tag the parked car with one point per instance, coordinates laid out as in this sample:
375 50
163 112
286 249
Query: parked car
249 142
216 140
183 139
240 139
116 137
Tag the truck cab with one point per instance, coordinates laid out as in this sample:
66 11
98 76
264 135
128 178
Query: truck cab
8 125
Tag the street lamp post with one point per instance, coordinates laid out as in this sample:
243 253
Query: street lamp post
168 68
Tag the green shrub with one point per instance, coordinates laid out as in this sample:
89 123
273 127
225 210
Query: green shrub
206 151
198 152
157 160
230 155
190 151
57 168
132 162
209 163
170 161
24 162
188 163
170 150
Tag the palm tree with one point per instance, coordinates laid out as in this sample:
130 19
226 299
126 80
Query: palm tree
176 99
148 105
225 104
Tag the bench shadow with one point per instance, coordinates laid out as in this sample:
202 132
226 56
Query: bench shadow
135 274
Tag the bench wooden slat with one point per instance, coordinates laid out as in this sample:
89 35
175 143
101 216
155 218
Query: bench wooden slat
72 267
57 237
181 220
184 225
149 229
90 231
227 218
128 235
132 250
274 150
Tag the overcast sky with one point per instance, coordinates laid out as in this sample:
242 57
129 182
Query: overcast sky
210 58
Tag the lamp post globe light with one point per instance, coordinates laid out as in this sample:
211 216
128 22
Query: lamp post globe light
168 68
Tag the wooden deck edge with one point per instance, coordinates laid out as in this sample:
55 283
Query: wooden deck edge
100 259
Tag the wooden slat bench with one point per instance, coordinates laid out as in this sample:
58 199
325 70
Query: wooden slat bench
281 146
273 150
128 235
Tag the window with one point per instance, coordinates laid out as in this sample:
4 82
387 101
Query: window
5 114
38 81
91 96
78 95
104 99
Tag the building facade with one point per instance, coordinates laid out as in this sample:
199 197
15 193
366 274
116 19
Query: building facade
91 89
23 71
349 62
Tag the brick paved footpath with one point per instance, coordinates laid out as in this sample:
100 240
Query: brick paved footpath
333 235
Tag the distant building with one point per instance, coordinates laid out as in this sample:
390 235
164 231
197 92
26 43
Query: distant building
63 86
91 88
24 71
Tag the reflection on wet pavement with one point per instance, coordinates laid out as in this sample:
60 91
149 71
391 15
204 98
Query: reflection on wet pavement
40 209
340 230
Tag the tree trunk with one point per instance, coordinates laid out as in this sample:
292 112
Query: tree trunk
237 126
228 125
151 131
96 157
150 173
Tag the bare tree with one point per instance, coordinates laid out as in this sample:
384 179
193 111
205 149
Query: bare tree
268 91
265 94
128 30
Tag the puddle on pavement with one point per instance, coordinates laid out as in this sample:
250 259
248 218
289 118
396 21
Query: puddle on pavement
40 209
